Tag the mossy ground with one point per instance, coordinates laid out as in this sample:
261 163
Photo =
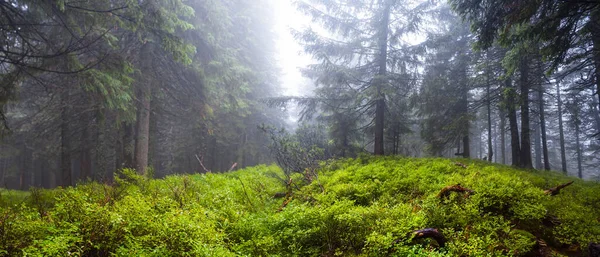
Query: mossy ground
357 207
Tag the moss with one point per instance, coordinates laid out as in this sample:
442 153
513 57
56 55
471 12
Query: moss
357 207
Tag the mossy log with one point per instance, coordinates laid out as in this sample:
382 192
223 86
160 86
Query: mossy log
556 190
460 164
445 193
432 233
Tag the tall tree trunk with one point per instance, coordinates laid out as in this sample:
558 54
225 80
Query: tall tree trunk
595 29
381 81
578 150
86 155
489 118
537 139
513 126
525 159
563 158
543 126
143 131
26 168
502 136
65 145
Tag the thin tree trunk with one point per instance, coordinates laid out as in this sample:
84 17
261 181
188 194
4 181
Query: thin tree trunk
65 146
502 136
595 29
525 159
512 121
86 159
489 120
563 158
537 139
543 127
578 145
380 101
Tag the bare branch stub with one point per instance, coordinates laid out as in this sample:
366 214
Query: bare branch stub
556 190
455 188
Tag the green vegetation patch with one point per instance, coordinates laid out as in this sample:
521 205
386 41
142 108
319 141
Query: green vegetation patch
356 207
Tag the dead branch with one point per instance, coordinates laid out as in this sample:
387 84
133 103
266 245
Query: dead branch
202 164
233 166
286 202
460 164
432 233
556 190
445 193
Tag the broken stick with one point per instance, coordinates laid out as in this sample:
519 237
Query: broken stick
556 190
445 193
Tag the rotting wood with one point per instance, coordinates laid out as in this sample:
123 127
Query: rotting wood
455 188
556 190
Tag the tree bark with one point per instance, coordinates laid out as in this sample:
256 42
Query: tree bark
489 119
502 135
595 32
525 151
512 121
86 155
65 145
541 107
143 132
578 149
380 100
563 158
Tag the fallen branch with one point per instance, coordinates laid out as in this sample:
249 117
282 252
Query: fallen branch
285 203
233 166
460 164
201 164
556 190
445 193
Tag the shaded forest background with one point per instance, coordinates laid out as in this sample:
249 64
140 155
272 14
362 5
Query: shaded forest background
91 87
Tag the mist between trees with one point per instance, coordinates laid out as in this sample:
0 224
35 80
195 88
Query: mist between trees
91 87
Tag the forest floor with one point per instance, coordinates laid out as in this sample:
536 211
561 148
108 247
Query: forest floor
369 206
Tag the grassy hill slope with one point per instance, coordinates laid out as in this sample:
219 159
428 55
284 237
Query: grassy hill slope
359 207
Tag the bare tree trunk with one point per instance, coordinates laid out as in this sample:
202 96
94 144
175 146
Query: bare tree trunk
537 140
502 136
525 159
578 145
382 59
489 120
512 121
143 132
543 127
563 157
595 29
86 155
65 146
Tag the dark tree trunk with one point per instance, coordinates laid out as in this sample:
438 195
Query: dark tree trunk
578 149
65 146
502 136
513 126
595 29
143 132
489 119
563 158
525 159
86 155
543 127
537 139
381 81
26 168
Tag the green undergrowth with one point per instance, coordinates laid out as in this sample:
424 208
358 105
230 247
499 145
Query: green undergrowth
357 207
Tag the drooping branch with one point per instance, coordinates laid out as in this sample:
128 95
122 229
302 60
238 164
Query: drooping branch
556 190
445 192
